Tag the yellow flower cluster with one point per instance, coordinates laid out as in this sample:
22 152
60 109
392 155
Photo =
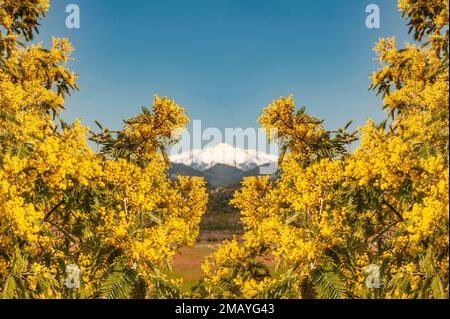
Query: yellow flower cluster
332 211
61 203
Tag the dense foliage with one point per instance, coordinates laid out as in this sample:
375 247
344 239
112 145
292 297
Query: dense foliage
333 212
114 214
341 201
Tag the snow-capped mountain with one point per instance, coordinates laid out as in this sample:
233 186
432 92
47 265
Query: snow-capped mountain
225 154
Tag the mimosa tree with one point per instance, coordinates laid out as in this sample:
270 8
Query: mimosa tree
333 212
115 215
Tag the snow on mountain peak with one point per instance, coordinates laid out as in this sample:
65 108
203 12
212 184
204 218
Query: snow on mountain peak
223 154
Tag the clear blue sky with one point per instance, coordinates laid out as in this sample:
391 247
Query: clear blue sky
223 60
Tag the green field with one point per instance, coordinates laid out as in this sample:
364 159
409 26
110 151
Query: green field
220 222
187 264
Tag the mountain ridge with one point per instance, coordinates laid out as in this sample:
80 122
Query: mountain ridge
222 165
204 159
